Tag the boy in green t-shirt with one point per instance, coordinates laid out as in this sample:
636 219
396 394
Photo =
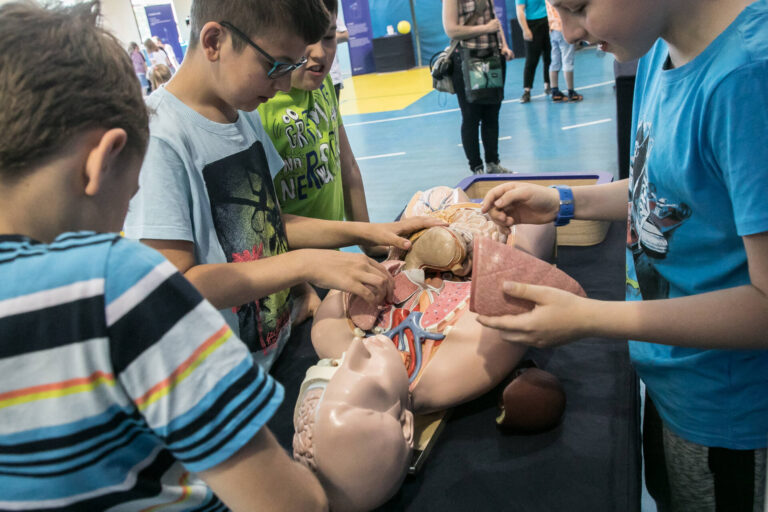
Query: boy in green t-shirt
320 178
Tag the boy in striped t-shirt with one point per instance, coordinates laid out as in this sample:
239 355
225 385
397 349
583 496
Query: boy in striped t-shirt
121 388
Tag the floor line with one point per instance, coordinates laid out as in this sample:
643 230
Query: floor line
437 112
378 156
591 123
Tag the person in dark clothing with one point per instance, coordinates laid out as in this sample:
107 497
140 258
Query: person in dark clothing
476 26
532 17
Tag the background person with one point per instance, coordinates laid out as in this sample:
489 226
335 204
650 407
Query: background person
562 58
532 17
160 74
484 34
169 53
156 55
139 67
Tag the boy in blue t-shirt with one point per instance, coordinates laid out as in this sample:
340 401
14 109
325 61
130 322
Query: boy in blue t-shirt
697 250
120 386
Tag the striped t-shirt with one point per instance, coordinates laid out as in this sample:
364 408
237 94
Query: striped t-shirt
114 372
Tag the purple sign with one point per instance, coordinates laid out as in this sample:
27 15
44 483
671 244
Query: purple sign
357 18
162 24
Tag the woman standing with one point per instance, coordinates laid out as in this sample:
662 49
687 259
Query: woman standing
474 24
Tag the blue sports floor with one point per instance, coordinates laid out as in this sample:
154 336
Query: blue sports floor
417 147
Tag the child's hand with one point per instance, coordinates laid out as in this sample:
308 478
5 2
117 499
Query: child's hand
558 317
521 203
396 233
354 273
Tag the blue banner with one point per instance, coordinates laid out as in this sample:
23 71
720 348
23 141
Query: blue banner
357 18
501 13
162 24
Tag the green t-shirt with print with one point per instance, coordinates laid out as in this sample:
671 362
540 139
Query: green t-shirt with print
304 126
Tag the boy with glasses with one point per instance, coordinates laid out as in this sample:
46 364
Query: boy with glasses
206 198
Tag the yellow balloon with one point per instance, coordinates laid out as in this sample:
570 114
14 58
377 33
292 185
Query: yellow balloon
404 27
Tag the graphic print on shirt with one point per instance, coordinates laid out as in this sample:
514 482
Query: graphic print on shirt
308 143
653 220
249 227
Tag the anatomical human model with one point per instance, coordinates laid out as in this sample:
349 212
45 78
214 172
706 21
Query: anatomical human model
353 425
424 352
449 356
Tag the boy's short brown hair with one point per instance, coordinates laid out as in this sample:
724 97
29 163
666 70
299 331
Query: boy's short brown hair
61 74
308 19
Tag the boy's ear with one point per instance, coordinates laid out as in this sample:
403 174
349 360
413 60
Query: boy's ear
102 157
211 37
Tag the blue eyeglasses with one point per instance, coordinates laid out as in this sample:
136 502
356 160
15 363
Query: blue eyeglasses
279 69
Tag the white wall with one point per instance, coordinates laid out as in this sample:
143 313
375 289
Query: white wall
182 8
118 18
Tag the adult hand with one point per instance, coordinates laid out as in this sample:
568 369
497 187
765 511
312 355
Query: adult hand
527 34
396 233
354 273
507 53
558 317
493 26
521 203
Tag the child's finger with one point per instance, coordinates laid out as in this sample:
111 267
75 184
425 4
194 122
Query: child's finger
493 195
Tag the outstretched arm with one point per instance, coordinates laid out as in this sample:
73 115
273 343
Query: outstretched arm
526 203
733 318
228 285
261 476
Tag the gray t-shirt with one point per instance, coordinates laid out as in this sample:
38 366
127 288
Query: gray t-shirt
211 184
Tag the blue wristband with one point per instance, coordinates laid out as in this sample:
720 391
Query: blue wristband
565 214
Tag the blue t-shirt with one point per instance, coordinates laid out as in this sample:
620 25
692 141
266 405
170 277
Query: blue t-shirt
534 9
211 184
699 182
117 380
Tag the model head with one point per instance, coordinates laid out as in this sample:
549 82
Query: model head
353 425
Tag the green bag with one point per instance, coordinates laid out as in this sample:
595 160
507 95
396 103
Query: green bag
483 76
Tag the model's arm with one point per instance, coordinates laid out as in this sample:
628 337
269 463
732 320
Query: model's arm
523 21
342 36
454 30
261 476
733 318
355 205
228 285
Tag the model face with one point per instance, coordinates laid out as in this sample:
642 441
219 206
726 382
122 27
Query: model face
372 377
319 60
243 79
626 28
